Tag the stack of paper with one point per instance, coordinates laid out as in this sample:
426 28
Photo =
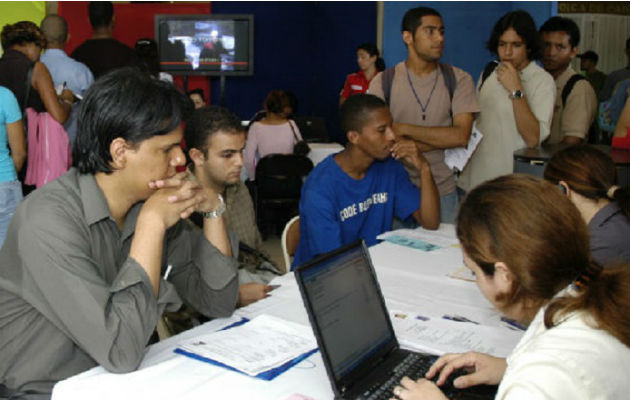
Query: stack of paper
437 335
258 346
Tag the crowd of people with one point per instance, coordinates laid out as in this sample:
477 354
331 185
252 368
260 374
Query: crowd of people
130 225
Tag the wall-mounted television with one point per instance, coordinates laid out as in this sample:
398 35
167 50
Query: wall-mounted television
205 44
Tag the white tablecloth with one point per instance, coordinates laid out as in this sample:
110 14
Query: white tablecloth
319 151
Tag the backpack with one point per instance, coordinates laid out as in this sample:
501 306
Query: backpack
447 73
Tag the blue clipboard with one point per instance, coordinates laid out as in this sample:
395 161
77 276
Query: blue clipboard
266 375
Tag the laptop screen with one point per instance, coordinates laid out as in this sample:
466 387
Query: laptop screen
346 305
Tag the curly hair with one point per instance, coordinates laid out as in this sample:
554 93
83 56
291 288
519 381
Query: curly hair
21 33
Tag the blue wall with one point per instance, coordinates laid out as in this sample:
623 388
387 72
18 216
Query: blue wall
304 47
467 24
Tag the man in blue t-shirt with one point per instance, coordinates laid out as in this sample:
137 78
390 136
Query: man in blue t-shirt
357 192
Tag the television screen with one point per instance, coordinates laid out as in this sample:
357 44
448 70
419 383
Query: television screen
211 44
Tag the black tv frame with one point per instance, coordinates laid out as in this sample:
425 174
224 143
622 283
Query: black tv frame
196 17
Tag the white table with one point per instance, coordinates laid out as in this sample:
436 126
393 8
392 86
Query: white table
319 151
410 279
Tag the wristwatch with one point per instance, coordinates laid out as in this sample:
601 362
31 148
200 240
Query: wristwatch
217 212
517 94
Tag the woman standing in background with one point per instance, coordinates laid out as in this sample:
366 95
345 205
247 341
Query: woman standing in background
370 63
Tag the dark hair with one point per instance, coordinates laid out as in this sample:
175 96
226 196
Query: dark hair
197 91
413 18
524 26
21 33
354 112
372 50
276 101
101 13
55 29
207 121
589 172
129 104
529 225
628 43
562 24
148 57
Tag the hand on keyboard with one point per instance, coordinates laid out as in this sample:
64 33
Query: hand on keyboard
421 389
475 369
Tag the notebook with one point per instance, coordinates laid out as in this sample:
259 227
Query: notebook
347 312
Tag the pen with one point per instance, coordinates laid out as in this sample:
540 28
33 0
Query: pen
513 324
459 318
168 271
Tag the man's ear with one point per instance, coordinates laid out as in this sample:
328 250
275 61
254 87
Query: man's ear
118 149
353 137
503 277
407 37
197 156
574 52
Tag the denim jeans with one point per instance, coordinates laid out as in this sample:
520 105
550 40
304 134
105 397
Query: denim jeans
10 196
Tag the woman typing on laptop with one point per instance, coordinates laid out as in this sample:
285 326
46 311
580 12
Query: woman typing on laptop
529 250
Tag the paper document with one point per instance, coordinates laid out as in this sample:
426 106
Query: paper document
457 158
419 238
259 345
437 335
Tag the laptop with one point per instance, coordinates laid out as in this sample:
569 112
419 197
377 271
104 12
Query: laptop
312 129
354 332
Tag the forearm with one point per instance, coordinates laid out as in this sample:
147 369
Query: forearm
146 247
443 137
428 214
526 123
214 229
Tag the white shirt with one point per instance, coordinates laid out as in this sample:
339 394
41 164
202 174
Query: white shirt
569 361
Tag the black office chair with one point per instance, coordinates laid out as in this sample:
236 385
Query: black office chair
278 186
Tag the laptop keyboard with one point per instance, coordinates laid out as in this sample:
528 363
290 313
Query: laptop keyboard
414 366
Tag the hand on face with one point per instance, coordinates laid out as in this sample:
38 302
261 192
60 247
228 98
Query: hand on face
406 151
174 198
485 369
508 77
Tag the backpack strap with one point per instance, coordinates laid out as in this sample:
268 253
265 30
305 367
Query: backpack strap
387 78
569 86
487 71
449 79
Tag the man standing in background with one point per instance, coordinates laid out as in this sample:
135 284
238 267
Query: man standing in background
65 71
431 103
576 102
102 52
588 64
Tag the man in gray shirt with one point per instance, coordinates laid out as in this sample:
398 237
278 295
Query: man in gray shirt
93 258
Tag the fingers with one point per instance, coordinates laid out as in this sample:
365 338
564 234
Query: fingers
439 364
174 181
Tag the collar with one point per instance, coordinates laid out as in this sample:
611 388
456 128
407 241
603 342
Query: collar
604 214
93 199
55 52
564 77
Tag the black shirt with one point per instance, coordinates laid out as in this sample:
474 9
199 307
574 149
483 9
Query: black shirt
104 55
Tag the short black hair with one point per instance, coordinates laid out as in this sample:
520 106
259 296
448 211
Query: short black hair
101 13
208 121
129 104
413 18
524 25
197 91
354 113
562 24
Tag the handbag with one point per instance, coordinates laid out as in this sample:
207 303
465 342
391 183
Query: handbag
300 148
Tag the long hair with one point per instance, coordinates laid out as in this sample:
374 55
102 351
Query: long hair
525 27
589 172
528 224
